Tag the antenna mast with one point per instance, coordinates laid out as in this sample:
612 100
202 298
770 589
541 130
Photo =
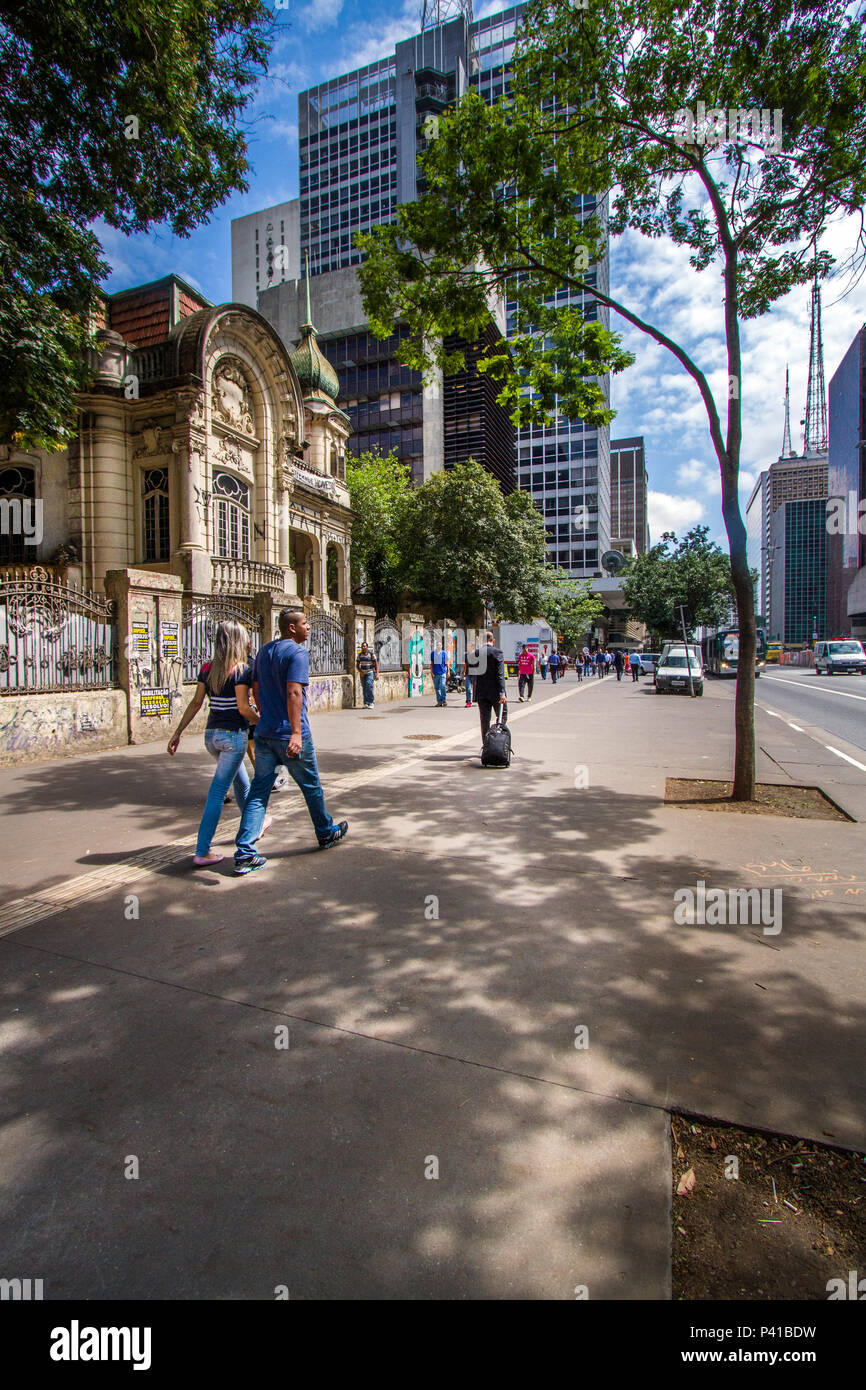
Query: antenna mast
815 436
787 450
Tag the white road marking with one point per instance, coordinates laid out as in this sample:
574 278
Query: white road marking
840 754
821 689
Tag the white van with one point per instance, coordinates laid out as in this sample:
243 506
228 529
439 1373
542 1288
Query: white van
840 658
672 672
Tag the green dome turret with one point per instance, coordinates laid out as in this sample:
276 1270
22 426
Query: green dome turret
319 381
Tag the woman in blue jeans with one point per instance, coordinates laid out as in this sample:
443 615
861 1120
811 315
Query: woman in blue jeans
226 681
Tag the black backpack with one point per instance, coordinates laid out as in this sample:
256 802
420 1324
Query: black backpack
497 743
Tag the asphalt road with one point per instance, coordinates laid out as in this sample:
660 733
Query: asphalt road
837 703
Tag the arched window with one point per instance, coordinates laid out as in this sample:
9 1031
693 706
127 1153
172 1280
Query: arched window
155 523
332 572
231 517
337 463
17 495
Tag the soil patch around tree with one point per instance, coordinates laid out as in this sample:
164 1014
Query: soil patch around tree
763 1216
802 803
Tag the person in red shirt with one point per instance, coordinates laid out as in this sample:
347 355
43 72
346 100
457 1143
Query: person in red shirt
525 673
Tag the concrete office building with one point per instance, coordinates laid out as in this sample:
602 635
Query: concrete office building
846 567
429 427
798 589
789 479
265 250
360 135
628 494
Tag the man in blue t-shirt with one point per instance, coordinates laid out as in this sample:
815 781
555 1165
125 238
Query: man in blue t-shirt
439 672
283 738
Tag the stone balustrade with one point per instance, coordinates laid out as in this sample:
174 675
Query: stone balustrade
245 577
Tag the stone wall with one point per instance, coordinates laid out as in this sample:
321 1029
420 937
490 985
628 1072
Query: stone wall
34 728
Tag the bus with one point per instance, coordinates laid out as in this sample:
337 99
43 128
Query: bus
720 650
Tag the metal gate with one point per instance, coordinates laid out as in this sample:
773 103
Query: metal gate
327 643
52 636
201 613
387 645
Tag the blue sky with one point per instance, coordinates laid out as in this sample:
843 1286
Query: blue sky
655 397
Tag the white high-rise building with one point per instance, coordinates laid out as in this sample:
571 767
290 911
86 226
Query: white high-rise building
265 251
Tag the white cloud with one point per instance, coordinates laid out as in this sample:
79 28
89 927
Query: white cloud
369 40
319 14
669 513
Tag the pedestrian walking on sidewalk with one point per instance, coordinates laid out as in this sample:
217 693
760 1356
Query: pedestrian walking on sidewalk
439 672
525 674
619 664
467 679
599 663
489 684
542 662
634 666
283 738
368 668
587 661
554 664
578 665
226 681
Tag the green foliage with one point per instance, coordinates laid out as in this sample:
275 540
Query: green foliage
694 572
380 489
72 77
570 606
596 105
467 546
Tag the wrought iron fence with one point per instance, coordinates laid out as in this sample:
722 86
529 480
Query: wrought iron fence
387 645
327 644
53 637
201 613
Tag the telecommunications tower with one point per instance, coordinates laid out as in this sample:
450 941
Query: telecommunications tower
815 423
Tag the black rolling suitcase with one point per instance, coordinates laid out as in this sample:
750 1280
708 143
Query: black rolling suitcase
497 744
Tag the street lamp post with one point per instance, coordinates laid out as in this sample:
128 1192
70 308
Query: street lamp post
682 613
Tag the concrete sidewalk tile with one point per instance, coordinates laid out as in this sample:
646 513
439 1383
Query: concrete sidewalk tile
305 1165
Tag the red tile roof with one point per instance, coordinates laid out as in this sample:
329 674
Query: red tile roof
144 314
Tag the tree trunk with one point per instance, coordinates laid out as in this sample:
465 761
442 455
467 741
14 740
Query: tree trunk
744 705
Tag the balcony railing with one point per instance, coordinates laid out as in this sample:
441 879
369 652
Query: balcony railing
245 577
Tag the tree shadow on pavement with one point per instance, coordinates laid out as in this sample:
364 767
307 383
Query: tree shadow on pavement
432 973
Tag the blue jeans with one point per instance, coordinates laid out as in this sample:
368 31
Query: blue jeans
440 687
271 754
367 680
228 746
468 684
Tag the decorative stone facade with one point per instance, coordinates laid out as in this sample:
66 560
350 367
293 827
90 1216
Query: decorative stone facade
200 453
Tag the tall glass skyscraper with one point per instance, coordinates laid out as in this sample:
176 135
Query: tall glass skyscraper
360 135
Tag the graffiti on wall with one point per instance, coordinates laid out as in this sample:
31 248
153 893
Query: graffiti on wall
50 728
416 663
325 692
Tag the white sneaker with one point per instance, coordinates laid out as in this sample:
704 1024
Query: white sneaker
281 780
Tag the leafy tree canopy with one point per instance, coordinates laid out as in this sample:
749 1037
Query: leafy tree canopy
694 572
466 546
598 103
124 113
570 606
379 491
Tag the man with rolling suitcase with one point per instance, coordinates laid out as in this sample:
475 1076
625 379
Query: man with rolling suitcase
490 693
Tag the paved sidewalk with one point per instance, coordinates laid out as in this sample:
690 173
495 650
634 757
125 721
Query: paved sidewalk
415 1039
